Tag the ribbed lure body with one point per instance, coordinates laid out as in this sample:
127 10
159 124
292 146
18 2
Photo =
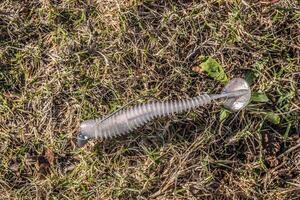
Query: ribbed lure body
127 120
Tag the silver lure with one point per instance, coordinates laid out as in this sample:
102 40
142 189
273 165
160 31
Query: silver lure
236 95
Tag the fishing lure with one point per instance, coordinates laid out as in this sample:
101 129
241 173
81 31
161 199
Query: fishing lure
236 95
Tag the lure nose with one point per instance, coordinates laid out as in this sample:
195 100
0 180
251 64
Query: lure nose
84 134
82 140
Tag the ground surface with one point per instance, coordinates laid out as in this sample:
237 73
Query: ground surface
62 62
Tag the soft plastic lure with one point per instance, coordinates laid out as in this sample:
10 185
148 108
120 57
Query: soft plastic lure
236 95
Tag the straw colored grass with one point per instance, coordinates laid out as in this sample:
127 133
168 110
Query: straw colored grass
62 62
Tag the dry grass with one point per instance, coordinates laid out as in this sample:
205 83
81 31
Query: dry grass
62 62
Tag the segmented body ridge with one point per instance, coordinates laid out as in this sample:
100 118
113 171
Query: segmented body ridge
129 119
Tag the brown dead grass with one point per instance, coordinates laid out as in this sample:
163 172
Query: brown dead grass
62 62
